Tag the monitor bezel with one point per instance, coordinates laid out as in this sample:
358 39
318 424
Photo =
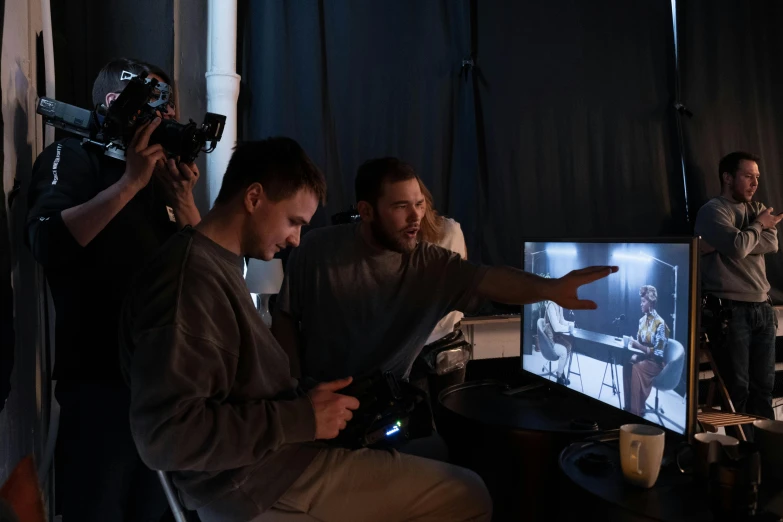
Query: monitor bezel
693 337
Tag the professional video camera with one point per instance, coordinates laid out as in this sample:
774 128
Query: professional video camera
113 127
390 413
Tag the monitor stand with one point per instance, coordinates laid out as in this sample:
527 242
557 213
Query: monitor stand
514 391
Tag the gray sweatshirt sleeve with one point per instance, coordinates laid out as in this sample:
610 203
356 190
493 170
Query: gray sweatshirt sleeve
768 243
180 419
716 226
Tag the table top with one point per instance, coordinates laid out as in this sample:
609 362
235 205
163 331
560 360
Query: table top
607 340
541 409
487 319
675 497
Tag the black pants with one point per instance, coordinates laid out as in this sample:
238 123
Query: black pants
99 475
745 354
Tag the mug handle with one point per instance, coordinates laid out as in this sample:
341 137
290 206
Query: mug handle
635 447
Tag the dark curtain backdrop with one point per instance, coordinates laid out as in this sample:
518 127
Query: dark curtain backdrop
89 33
353 80
576 102
731 61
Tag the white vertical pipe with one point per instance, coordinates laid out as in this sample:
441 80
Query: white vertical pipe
48 49
222 86
175 73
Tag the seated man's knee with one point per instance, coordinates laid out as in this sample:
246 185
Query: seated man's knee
470 494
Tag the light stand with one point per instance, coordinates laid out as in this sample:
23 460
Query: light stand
533 271
611 365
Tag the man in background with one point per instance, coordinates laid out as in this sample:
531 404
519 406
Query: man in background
736 233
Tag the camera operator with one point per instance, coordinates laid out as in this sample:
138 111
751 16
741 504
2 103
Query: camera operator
92 222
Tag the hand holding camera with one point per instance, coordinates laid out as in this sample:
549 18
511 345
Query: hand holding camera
332 410
141 157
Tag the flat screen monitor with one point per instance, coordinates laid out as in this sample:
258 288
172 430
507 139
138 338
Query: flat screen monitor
635 352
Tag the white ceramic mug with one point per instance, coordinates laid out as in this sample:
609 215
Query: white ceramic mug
641 452
724 440
705 452
768 436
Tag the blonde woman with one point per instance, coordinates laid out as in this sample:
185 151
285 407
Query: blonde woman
651 338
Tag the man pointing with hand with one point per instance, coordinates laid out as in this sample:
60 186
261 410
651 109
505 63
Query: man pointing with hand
736 232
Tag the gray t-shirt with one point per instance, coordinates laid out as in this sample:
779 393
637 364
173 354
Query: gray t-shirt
361 309
736 270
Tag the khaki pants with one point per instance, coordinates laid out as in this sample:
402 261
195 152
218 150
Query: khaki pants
382 486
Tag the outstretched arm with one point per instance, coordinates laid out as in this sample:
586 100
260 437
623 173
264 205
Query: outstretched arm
511 286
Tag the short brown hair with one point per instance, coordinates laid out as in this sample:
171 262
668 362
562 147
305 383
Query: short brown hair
730 163
650 293
279 164
375 172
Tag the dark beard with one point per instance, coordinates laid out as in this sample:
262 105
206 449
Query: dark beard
387 240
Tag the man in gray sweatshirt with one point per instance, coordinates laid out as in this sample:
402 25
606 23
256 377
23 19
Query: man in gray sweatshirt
736 232
212 397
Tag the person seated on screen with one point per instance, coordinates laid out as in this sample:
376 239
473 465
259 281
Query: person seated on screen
559 332
641 369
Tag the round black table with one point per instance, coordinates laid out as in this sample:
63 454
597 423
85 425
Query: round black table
513 440
675 497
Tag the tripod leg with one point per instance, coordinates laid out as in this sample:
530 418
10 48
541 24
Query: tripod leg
612 372
616 383
603 380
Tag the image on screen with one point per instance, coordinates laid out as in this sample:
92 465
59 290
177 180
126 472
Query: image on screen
630 353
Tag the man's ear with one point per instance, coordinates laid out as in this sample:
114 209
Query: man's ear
110 98
727 178
366 211
254 197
